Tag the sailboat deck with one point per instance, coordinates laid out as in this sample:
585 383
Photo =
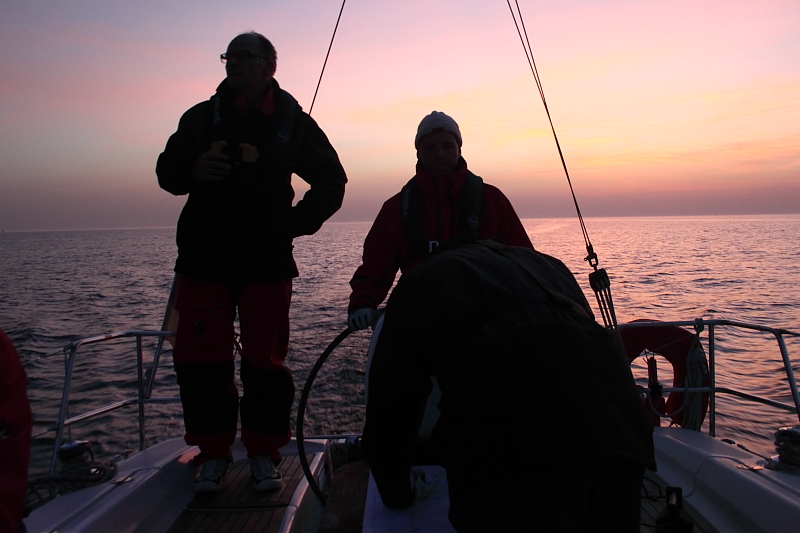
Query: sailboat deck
654 503
345 510
237 507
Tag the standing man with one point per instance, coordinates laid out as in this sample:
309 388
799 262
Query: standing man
541 425
234 156
442 202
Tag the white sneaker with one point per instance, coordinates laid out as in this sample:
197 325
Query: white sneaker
211 474
265 475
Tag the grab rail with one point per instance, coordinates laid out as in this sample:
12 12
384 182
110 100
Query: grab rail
712 389
145 382
144 387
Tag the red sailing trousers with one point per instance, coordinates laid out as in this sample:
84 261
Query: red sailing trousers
204 364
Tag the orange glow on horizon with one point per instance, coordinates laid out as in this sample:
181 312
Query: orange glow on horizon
666 100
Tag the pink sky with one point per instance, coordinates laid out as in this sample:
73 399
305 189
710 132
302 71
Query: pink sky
662 107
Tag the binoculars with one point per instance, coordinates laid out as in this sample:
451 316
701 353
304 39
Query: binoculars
244 153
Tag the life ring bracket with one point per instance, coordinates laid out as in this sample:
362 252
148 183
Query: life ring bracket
684 351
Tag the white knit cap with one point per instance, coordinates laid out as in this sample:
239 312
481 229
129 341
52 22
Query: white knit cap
436 121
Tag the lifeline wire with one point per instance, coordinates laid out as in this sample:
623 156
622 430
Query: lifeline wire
326 57
601 285
526 45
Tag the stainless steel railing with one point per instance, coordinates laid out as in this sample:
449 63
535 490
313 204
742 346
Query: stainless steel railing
144 386
712 389
145 380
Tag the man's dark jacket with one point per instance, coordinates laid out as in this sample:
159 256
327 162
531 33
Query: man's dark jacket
515 357
241 228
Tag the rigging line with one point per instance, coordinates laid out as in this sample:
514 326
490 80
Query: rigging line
529 57
526 45
532 62
326 57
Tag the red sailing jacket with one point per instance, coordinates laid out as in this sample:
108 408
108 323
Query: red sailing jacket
386 248
15 436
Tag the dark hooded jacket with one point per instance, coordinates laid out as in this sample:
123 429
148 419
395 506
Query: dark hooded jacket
511 339
241 228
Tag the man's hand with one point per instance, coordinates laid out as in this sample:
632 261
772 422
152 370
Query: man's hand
211 167
361 319
421 487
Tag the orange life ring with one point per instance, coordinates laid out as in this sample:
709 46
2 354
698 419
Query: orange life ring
674 344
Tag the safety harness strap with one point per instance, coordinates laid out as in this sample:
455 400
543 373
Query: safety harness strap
470 203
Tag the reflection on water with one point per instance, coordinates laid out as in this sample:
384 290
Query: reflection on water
59 286
736 268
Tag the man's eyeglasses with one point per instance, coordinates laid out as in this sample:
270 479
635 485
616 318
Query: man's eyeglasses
244 55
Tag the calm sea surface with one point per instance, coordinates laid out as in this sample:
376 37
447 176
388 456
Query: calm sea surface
60 286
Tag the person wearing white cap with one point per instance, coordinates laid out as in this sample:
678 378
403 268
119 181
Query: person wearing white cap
443 201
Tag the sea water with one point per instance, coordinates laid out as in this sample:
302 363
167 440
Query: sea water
56 287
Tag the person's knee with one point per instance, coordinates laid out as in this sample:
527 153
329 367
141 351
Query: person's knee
268 385
205 376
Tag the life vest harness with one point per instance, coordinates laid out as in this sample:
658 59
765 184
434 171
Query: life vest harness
690 369
470 203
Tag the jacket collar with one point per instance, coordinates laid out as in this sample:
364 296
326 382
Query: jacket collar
442 187
267 105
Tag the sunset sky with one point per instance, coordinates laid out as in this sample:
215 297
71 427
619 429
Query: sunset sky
662 107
